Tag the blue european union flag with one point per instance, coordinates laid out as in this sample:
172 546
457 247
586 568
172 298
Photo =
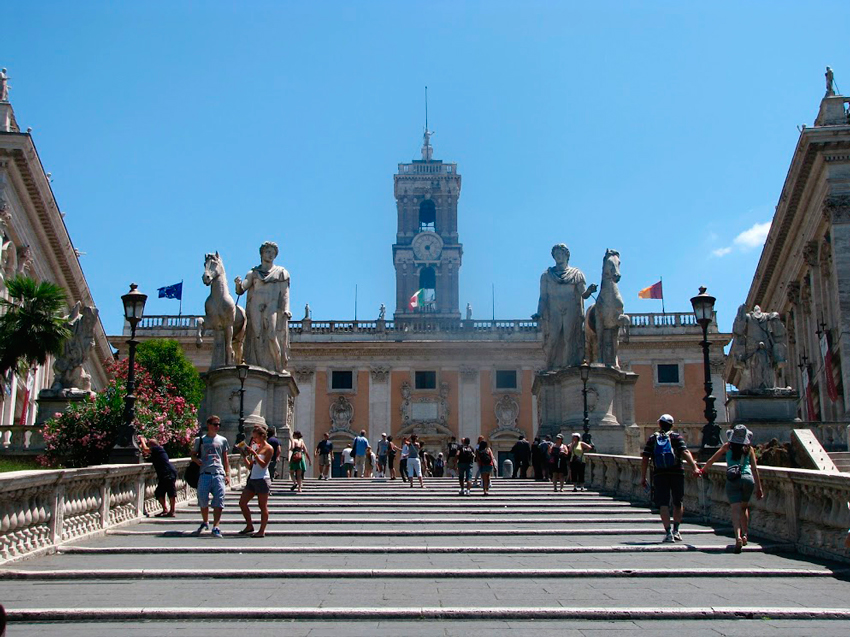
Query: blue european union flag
172 291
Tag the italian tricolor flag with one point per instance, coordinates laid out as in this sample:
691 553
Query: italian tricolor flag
416 299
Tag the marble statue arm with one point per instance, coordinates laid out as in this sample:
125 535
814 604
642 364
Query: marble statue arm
540 315
242 286
590 290
285 294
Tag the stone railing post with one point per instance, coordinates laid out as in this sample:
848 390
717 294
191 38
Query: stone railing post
105 497
58 506
141 484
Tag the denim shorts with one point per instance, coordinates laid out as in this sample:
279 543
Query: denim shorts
211 484
465 471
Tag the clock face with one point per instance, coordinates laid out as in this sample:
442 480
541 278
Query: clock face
427 246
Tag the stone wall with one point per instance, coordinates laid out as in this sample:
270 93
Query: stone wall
39 510
802 507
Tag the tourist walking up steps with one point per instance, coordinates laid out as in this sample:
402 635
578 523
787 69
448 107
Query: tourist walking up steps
347 461
560 455
392 450
275 443
477 466
742 477
383 449
325 456
452 450
546 459
486 462
258 456
521 451
166 477
402 463
298 459
358 450
210 453
465 459
577 448
414 463
666 449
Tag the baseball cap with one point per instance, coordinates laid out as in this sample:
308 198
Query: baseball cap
667 419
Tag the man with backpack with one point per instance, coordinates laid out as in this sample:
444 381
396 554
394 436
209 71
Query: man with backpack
666 449
452 451
465 458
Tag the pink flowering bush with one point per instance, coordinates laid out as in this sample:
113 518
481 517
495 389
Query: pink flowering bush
86 432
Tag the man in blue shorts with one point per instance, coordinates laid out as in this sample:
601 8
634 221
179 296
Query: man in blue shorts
210 452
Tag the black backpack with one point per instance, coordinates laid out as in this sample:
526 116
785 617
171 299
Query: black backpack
467 455
485 458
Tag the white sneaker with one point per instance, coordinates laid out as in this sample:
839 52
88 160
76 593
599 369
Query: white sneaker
669 537
677 536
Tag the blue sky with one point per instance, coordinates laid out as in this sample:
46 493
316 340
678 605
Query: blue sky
661 129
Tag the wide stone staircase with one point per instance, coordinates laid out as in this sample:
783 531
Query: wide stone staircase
376 557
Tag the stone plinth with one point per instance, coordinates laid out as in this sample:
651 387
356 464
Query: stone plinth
777 406
611 404
51 402
269 400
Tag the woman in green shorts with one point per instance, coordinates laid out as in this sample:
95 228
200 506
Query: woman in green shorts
298 459
742 478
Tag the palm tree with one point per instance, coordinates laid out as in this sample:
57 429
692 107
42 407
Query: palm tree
32 325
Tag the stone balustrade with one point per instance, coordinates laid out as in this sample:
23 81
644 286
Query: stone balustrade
39 510
21 439
802 507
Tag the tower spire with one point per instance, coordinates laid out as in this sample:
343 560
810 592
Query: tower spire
427 149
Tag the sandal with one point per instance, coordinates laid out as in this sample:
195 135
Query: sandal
738 544
744 540
248 530
258 534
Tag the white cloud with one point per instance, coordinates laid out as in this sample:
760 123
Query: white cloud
721 252
752 238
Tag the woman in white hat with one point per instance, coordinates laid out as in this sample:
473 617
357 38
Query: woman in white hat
742 477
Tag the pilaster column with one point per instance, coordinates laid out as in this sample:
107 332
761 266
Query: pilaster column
837 207
469 422
379 403
305 407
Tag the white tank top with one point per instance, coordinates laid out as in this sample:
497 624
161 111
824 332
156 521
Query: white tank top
258 472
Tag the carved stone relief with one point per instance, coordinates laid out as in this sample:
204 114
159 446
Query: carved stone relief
826 258
793 292
838 208
806 294
342 414
424 409
304 374
507 411
380 373
468 374
810 253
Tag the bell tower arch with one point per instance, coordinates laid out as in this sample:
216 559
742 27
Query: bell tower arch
427 251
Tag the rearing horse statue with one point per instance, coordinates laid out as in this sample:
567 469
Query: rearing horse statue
604 318
223 316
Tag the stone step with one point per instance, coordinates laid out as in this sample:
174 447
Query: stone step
337 574
391 534
841 460
416 549
230 517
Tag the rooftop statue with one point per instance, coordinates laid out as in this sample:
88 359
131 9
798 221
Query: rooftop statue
561 311
759 348
68 371
830 82
268 314
4 86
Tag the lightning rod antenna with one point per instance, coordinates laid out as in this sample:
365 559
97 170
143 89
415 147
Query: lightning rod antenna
426 108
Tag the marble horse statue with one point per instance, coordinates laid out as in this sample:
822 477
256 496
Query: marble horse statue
605 318
222 315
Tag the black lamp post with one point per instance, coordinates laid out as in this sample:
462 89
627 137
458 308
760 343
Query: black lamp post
703 305
126 449
242 372
584 371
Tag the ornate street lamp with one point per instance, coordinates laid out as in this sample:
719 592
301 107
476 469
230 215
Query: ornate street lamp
126 449
242 373
584 371
703 305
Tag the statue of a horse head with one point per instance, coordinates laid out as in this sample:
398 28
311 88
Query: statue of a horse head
213 268
611 265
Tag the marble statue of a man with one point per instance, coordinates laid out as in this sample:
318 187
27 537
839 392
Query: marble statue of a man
758 349
561 311
68 372
267 308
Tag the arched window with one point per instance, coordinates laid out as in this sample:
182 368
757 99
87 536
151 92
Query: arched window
428 285
427 216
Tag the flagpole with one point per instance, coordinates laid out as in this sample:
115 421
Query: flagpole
494 301
180 311
661 280
355 301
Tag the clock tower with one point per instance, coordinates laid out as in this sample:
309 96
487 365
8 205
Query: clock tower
427 254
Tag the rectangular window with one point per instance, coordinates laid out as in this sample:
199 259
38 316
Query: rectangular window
425 380
505 379
342 380
668 374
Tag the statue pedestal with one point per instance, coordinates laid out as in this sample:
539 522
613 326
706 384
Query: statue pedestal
269 400
50 402
778 405
610 405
